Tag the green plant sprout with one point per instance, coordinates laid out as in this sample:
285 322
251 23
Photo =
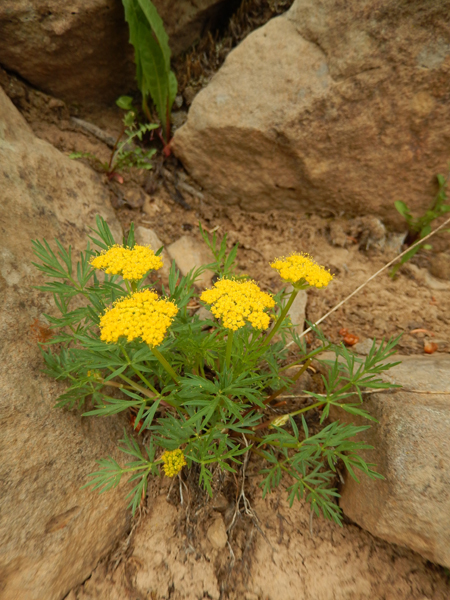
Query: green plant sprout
203 392
420 227
152 57
125 154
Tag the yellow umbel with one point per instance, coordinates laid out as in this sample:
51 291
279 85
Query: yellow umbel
173 461
141 315
302 268
236 302
130 263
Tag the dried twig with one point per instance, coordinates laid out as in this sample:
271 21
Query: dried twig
101 135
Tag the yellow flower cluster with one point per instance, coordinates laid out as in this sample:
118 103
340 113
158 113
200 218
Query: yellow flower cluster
141 315
237 301
300 267
130 263
173 461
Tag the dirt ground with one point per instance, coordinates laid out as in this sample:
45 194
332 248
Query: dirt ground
184 546
181 551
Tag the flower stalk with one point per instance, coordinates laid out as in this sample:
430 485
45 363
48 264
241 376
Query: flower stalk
281 318
229 348
165 364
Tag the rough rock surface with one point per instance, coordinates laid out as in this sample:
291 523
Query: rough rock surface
440 265
189 253
297 312
147 237
343 106
217 533
411 505
52 533
78 50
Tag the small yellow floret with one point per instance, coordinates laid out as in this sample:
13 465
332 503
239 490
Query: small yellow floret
238 301
95 375
130 263
300 267
173 461
141 315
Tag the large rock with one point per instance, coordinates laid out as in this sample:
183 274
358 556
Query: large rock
52 533
411 505
339 106
190 253
78 50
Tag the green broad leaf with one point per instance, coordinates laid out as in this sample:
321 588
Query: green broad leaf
125 102
152 56
403 209
173 88
157 26
426 229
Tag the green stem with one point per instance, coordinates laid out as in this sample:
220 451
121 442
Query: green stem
164 363
135 386
138 373
292 414
228 349
142 390
281 318
133 286
110 168
306 408
294 379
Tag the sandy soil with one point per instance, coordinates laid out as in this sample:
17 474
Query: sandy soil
180 551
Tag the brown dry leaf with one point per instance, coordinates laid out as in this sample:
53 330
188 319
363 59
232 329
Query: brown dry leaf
39 332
